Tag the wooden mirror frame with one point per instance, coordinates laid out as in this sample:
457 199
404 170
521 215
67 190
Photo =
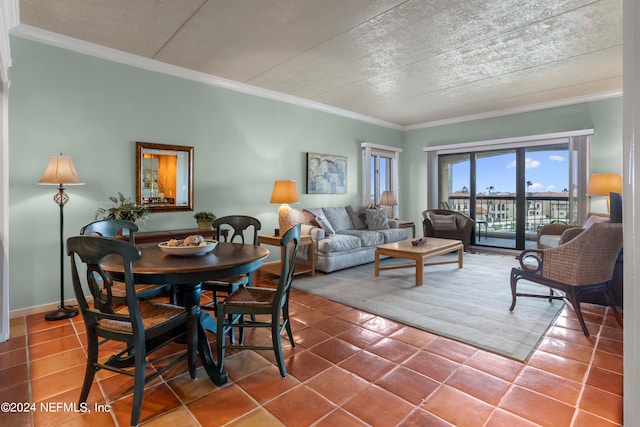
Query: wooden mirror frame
157 205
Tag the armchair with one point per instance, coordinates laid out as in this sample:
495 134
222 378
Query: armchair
583 265
447 224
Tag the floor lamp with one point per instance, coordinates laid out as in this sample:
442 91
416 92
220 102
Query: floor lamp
60 171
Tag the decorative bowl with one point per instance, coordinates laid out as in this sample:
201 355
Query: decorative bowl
420 241
208 246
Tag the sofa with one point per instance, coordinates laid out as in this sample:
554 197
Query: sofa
345 236
448 224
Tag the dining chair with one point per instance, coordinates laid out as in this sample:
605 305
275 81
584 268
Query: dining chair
582 265
144 326
261 301
111 228
239 224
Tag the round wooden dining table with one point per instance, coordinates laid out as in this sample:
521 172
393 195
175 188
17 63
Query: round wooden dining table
186 274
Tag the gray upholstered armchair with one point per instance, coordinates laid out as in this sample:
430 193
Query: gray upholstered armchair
448 224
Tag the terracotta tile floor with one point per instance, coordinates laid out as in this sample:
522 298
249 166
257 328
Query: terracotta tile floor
349 368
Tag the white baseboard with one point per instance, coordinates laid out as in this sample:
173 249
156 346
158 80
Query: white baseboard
40 309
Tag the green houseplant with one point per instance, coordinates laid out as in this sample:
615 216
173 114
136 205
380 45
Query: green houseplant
204 220
125 209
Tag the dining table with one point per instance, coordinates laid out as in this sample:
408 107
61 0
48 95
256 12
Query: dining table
186 274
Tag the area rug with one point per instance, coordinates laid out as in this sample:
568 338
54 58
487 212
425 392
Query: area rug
470 305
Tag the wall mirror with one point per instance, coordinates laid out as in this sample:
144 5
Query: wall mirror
164 176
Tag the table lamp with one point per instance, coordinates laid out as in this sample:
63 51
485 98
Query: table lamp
60 171
388 199
601 184
284 192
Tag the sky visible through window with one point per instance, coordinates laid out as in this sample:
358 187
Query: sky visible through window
547 171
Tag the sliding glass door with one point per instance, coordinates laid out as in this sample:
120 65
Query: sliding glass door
509 192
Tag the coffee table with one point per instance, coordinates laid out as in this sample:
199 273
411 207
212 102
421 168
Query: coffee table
420 253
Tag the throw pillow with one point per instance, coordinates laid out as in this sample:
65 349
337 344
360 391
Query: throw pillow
326 226
594 219
376 219
357 216
444 222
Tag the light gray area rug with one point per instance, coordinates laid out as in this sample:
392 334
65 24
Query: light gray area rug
470 305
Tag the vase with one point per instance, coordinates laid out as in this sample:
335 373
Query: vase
205 224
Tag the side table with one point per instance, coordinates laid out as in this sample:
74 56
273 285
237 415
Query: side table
275 267
408 224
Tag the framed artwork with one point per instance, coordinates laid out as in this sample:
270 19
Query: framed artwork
326 174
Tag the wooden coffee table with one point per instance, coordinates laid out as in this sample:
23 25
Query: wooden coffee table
404 249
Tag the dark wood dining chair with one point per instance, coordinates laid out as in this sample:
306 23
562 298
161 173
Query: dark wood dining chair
582 265
239 225
112 228
144 326
261 301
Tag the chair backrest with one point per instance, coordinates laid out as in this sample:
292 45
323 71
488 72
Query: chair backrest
239 224
588 258
109 228
91 251
289 242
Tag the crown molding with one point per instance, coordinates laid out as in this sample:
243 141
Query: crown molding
98 51
517 110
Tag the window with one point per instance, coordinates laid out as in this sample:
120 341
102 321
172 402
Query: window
513 185
379 173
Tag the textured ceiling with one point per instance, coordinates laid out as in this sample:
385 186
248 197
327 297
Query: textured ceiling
404 62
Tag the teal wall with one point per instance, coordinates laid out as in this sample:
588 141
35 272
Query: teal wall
604 116
94 110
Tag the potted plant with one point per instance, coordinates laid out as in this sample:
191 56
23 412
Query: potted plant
204 220
125 209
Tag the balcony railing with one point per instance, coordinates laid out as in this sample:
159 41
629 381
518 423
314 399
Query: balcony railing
499 212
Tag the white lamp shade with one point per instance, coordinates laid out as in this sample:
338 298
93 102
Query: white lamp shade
601 184
60 170
284 191
388 199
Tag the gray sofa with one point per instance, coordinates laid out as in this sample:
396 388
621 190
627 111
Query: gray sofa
345 236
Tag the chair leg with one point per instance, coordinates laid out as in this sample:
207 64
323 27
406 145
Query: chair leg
90 372
514 284
220 334
609 298
138 383
575 302
277 346
192 343
287 324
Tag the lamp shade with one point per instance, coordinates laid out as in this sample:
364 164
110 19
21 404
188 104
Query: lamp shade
284 191
388 199
601 184
60 170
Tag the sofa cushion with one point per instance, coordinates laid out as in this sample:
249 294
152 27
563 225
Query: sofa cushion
326 226
444 222
393 234
367 237
338 218
338 243
549 240
376 219
357 215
